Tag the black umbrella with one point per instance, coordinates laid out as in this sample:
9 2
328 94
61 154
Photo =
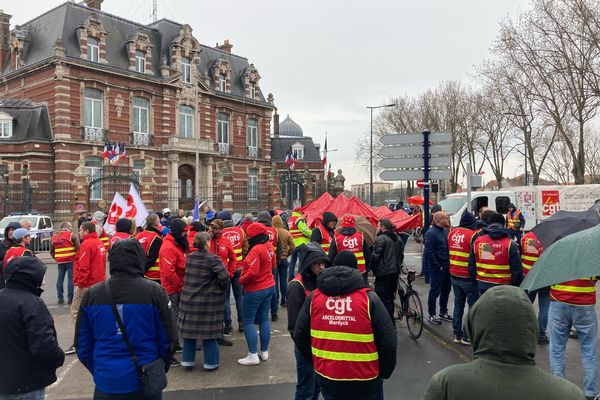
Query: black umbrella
564 223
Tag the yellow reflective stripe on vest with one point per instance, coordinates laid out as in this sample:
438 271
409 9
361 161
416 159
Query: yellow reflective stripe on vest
154 268
459 263
529 258
63 255
348 337
492 266
458 253
339 356
64 249
486 275
576 289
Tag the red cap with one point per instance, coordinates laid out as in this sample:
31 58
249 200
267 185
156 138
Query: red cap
255 229
349 221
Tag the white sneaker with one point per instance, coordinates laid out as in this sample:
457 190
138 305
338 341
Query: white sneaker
264 355
251 359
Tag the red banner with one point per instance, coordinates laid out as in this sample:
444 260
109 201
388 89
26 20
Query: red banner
550 202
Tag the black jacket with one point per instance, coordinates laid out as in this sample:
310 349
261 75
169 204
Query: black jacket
28 346
388 254
496 231
436 248
154 249
347 231
336 281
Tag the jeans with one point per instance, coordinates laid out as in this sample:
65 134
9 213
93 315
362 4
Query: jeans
440 287
99 395
543 296
292 269
378 395
307 387
562 317
385 287
210 349
482 287
64 269
238 295
256 305
35 395
464 291
280 285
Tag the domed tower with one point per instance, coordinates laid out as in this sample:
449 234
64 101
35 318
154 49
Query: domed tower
290 128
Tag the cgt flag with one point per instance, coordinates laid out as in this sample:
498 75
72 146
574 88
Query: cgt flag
116 211
135 207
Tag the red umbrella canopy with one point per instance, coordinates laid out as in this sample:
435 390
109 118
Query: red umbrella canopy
418 200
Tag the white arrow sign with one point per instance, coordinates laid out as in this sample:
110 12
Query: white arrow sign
400 151
414 175
416 138
415 162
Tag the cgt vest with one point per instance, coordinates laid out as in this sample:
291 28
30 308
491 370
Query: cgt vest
578 292
491 259
272 232
298 278
513 222
64 250
118 236
14 252
104 239
459 246
531 250
325 238
353 243
146 238
297 235
236 236
341 337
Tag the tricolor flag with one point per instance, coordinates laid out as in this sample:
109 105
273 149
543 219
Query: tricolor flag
294 163
289 158
324 160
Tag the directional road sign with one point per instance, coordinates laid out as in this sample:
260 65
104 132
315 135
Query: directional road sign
412 138
400 151
414 174
415 162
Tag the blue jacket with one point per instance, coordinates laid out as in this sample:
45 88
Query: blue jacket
143 306
436 248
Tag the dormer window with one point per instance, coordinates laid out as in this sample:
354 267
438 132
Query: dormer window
252 90
223 83
6 126
93 49
298 148
187 70
140 61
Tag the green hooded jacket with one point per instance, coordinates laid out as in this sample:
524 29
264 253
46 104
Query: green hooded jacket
504 333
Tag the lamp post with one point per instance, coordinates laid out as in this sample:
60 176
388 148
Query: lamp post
371 151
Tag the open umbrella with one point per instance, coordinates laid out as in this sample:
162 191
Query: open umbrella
576 256
564 223
418 200
363 226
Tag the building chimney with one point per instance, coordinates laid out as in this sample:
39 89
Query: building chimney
4 38
226 47
95 4
276 124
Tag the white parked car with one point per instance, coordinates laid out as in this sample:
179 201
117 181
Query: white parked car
42 228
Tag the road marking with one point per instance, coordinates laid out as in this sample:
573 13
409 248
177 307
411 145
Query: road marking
64 372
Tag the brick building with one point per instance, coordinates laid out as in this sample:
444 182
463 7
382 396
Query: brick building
193 118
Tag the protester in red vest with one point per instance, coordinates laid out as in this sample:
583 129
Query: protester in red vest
350 358
314 260
192 229
258 282
63 249
465 290
125 229
494 259
349 238
151 240
5 245
22 240
324 232
531 250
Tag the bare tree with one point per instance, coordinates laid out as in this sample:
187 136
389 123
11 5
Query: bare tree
592 159
559 164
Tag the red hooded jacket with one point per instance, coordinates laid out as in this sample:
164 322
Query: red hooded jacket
171 259
89 266
257 270
222 247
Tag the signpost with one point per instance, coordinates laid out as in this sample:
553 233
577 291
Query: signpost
420 157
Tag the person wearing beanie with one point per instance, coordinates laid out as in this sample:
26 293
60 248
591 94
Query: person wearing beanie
349 238
494 258
264 217
300 235
324 232
515 222
346 258
257 280
5 245
465 290
386 263
438 262
281 273
125 228
151 241
246 222
239 241
351 358
313 262
22 239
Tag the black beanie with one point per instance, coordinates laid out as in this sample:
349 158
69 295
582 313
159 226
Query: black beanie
345 258
123 225
497 218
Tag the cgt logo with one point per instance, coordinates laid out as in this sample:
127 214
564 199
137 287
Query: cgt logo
350 243
550 202
233 237
338 305
458 238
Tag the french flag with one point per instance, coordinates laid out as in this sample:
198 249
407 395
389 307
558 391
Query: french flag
289 158
294 161
105 152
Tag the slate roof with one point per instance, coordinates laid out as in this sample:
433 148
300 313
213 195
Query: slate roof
280 146
30 120
62 22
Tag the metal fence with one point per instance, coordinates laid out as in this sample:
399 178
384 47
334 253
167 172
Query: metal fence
34 197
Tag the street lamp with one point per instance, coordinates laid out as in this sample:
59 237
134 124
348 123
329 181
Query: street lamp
371 151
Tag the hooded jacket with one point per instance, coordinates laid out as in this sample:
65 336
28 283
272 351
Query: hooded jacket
337 281
388 254
308 254
143 306
316 233
4 246
89 266
348 231
29 348
496 231
436 248
285 238
504 332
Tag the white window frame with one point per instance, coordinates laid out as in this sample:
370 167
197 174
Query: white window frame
252 133
223 83
186 122
96 190
6 128
299 149
140 61
222 128
93 49
253 184
187 69
140 115
252 90
95 105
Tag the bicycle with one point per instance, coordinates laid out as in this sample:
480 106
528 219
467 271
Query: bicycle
417 235
410 305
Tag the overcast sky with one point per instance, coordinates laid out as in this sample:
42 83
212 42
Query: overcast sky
325 61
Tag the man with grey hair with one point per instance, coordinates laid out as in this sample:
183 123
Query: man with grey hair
151 240
98 220
63 249
26 224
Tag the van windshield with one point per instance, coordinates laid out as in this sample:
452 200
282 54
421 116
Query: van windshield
452 205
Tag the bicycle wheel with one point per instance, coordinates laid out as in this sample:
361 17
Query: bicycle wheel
414 315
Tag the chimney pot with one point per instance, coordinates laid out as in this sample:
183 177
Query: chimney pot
226 46
95 4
